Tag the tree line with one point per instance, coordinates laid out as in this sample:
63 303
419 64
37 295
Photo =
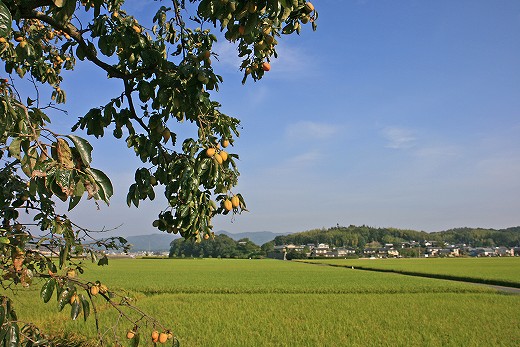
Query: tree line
357 237
220 246
360 236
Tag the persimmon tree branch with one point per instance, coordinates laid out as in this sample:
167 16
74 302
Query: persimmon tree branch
76 34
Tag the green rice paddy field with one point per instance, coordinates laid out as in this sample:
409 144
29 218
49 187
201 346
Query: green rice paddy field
224 302
506 270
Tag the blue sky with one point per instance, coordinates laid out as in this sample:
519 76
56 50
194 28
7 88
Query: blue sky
392 114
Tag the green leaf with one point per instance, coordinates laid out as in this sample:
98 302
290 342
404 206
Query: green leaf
76 197
12 338
84 148
3 332
47 290
51 266
145 90
80 53
12 315
105 46
131 194
29 160
73 202
93 256
135 341
86 306
56 190
59 291
67 10
64 253
103 182
76 308
14 147
4 240
64 299
63 179
5 21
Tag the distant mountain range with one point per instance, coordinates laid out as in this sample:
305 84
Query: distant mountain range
152 242
161 242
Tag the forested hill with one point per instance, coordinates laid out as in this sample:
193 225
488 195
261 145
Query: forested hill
481 237
359 236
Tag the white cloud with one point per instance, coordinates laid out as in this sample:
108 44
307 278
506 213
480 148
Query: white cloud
399 138
307 130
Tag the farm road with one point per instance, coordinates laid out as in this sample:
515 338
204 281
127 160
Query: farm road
509 290
503 289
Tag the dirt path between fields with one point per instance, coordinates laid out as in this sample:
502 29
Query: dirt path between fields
509 290
490 284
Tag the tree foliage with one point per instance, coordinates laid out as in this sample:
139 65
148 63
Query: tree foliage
220 246
480 237
167 79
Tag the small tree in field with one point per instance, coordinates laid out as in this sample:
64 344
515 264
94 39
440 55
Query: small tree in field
166 77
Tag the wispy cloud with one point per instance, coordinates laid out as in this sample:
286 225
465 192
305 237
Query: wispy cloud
438 152
301 163
304 159
289 61
227 55
436 159
306 130
399 138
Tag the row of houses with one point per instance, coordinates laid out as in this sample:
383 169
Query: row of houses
323 250
494 252
472 252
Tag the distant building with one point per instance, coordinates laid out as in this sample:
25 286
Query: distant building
280 252
342 252
482 252
449 252
386 252
409 244
505 251
432 251
383 252
320 250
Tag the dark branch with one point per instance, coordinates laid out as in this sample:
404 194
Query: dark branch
128 94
